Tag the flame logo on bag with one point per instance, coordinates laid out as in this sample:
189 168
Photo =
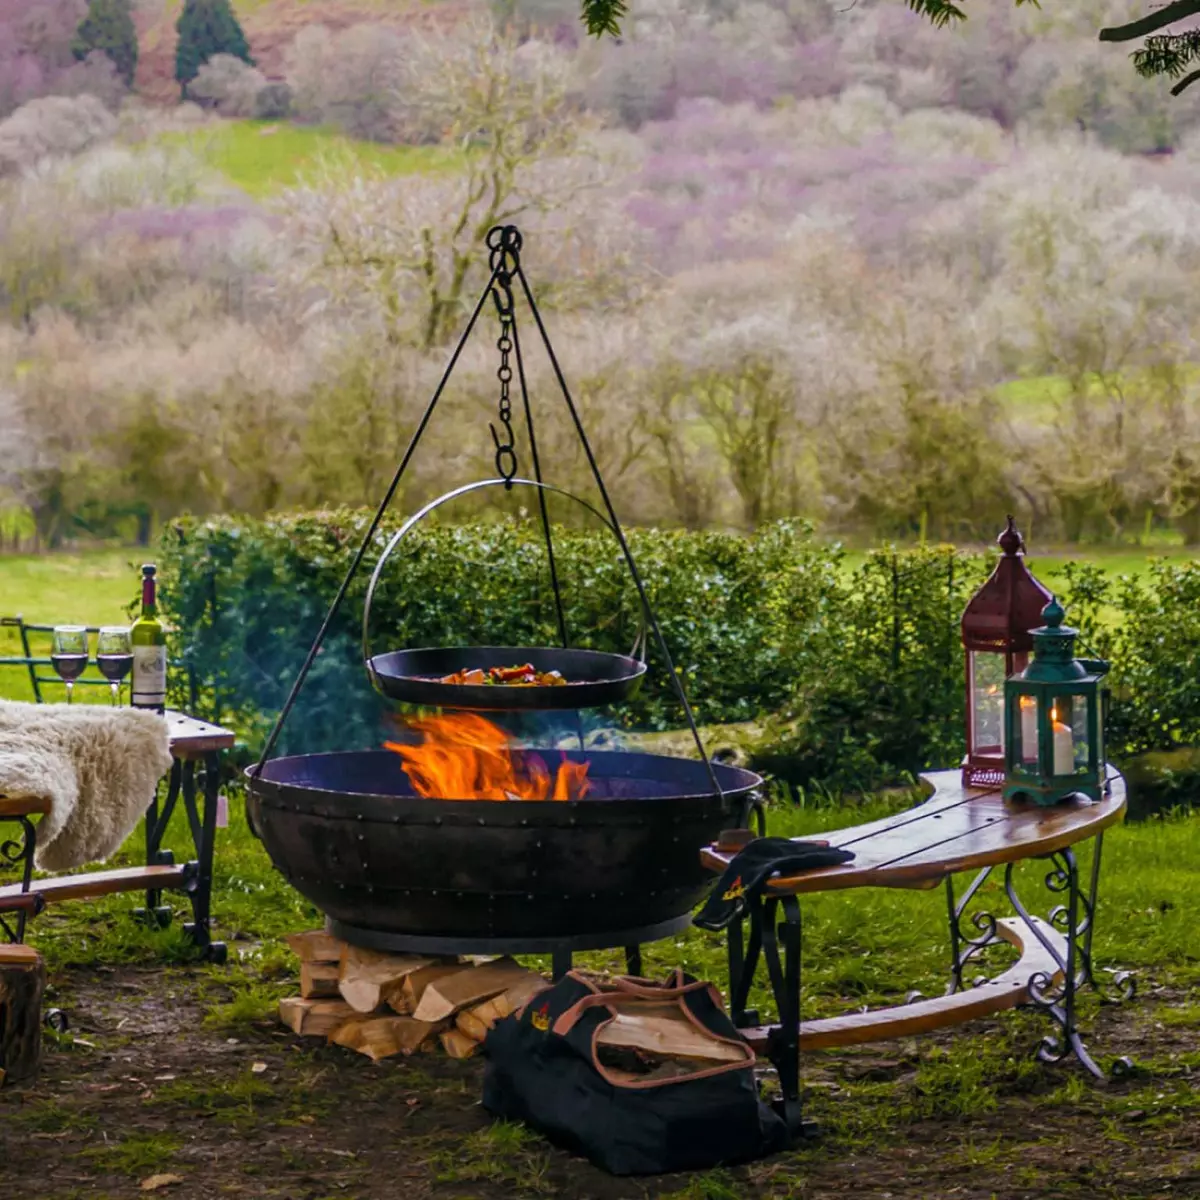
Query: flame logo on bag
736 890
540 1018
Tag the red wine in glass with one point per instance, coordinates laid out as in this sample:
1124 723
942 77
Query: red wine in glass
114 655
69 654
69 667
114 667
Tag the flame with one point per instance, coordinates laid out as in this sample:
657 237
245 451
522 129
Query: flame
465 757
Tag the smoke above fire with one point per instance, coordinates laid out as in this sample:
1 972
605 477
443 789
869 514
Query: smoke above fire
463 756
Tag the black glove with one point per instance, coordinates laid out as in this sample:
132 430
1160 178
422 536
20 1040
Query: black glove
749 871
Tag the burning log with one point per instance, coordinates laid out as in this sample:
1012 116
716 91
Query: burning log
465 757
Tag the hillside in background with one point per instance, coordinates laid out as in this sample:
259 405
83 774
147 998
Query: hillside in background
801 259
271 26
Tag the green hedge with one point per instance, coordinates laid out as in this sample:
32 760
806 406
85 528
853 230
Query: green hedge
247 597
854 678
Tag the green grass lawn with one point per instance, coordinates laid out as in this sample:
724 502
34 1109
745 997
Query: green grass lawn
92 587
266 157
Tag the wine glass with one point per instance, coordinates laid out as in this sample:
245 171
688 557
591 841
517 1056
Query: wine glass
114 655
69 654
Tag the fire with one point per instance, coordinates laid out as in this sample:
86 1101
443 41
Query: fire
465 757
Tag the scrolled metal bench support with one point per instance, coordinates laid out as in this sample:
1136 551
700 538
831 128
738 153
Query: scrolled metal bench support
18 853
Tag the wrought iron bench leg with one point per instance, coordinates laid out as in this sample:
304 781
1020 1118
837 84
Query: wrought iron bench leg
743 962
1073 919
784 974
157 821
20 853
964 946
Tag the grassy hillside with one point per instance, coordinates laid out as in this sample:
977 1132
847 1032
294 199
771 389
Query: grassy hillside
263 157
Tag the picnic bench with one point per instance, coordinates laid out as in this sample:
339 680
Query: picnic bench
957 829
196 748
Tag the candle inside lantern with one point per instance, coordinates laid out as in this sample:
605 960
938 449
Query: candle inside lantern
1029 733
1064 746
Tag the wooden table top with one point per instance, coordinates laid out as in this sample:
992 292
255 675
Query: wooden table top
192 738
956 829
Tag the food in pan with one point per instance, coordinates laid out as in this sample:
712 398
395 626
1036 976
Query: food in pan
525 675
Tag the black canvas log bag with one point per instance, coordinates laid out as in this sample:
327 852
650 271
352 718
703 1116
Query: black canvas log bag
543 1069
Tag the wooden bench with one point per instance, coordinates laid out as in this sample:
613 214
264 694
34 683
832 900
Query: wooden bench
989 997
194 745
956 830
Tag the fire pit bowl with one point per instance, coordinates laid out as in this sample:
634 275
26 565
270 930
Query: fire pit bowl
395 871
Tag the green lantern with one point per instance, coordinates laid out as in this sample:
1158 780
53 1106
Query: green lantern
1054 720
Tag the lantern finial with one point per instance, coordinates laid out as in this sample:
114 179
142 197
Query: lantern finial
1053 613
1010 541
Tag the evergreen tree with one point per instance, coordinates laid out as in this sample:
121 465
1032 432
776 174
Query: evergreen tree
205 28
109 27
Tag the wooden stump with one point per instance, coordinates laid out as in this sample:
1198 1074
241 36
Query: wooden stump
22 981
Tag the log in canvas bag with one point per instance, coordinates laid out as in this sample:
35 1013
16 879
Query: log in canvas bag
543 1069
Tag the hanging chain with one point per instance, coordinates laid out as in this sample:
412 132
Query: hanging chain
505 245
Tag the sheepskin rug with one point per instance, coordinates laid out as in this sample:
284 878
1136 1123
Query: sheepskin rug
98 767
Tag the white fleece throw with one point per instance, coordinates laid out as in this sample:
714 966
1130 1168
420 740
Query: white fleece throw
98 767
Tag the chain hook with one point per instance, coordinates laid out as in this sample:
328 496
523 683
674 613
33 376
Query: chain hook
504 242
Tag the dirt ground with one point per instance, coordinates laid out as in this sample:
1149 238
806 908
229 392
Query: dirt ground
140 1087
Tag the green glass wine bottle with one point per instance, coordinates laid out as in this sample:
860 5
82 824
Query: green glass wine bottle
149 650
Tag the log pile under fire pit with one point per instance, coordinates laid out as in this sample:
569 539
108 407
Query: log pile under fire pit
384 1004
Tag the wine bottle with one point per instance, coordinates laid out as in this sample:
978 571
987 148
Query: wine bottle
149 640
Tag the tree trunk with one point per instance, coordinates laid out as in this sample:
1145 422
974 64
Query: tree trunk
22 981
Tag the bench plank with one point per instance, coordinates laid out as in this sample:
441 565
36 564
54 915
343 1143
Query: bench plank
193 738
26 806
18 955
904 1020
98 883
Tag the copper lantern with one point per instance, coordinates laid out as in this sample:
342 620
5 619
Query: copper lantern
997 636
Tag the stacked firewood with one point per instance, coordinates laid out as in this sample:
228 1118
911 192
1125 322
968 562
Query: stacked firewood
384 1004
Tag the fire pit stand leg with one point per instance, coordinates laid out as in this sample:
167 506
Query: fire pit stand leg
562 958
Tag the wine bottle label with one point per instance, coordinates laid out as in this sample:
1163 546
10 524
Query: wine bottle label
149 675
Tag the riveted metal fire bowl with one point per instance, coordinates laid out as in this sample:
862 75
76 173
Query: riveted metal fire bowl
395 871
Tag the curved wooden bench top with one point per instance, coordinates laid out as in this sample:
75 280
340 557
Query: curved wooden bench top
956 829
903 1020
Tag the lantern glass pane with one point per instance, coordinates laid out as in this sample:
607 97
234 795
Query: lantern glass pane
987 702
1025 732
1069 734
1081 730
